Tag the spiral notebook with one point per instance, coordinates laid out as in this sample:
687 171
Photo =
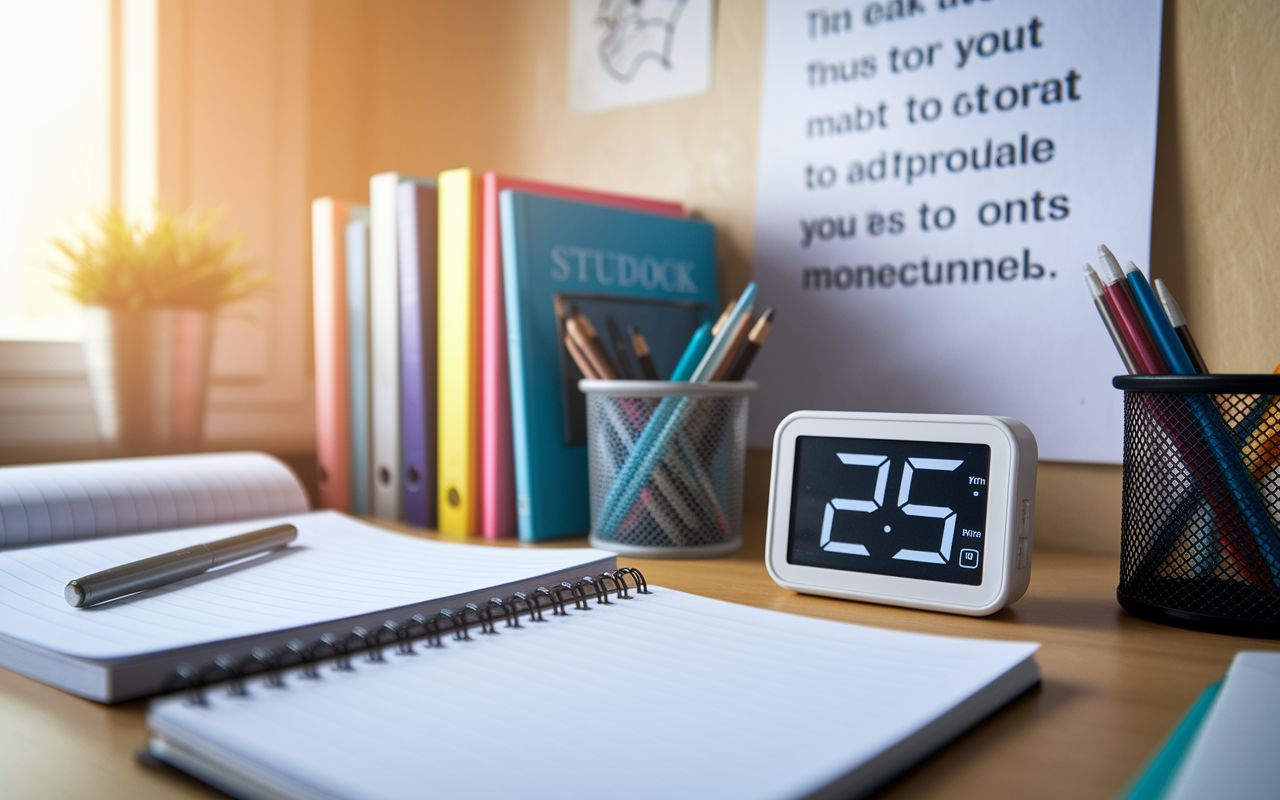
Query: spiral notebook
62 521
659 695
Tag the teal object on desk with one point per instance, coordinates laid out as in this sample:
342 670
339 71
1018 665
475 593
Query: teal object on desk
1155 781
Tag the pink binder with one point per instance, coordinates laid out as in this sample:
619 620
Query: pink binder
497 461
333 423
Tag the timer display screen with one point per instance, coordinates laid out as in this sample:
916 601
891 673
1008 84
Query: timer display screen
909 509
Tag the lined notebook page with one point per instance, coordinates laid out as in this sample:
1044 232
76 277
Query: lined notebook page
85 500
667 695
338 567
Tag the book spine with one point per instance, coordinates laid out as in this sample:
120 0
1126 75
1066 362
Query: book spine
357 262
515 359
328 228
384 350
416 206
459 353
497 460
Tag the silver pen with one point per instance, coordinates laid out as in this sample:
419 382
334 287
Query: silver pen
158 570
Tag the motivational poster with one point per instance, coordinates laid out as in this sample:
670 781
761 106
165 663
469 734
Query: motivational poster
932 177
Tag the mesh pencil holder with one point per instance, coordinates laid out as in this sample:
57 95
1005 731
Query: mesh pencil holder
1200 531
666 463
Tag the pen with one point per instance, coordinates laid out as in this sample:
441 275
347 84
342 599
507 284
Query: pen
1175 355
1179 323
1109 319
1128 318
641 347
738 369
159 570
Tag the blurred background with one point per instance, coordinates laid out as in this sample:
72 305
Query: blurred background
258 106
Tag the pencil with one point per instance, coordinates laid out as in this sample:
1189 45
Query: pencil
592 347
602 368
641 348
759 332
735 346
579 358
724 315
619 347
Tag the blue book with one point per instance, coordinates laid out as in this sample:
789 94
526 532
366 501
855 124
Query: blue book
560 258
416 228
357 246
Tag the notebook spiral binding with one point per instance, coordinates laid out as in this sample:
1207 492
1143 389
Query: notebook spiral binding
403 634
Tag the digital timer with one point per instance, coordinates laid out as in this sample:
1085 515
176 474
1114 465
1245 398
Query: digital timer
921 510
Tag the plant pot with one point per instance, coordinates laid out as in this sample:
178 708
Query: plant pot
148 370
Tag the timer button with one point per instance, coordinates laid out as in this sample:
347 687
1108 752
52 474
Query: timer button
1024 551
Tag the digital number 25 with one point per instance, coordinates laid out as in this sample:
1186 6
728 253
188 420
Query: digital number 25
909 466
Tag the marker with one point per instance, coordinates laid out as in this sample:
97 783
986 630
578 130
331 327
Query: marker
1179 323
1175 355
643 356
138 576
1128 318
1099 301
759 332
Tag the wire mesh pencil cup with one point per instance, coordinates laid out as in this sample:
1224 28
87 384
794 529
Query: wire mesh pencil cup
1200 529
666 464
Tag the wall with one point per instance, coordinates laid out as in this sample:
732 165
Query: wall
429 85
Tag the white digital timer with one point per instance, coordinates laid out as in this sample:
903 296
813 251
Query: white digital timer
921 510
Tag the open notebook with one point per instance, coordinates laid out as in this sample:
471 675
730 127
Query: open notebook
663 695
59 522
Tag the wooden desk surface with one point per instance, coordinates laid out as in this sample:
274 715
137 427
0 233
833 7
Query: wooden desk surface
1114 687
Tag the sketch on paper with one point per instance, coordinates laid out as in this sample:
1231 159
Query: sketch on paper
637 31
627 52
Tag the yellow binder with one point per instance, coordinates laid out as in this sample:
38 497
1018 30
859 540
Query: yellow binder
458 408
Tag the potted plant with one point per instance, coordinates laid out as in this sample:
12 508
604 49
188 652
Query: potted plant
151 290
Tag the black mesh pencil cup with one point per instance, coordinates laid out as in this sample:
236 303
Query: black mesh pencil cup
1200 532
666 463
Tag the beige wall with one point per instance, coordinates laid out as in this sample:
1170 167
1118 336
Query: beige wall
421 86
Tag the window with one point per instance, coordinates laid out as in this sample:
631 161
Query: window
55 152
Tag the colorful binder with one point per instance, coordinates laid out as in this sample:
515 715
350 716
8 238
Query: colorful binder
458 466
361 473
497 459
655 272
418 217
328 290
384 351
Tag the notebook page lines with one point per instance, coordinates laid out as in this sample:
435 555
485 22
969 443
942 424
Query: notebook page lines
61 502
340 568
540 700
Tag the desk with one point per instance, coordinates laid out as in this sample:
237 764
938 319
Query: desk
1114 687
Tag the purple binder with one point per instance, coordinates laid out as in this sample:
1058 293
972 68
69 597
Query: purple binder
416 223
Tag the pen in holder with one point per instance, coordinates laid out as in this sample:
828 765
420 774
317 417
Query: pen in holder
666 462
1199 540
